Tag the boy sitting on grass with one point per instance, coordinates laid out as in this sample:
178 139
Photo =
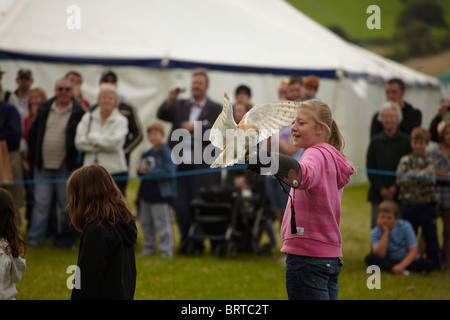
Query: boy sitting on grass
394 243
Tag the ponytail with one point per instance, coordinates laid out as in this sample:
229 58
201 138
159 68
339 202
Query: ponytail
336 138
337 141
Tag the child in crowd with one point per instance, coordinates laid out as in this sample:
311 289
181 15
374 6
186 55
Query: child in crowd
394 243
240 108
418 194
241 181
155 193
442 155
310 88
106 259
12 247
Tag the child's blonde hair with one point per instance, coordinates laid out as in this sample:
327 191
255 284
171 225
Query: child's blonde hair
419 133
323 115
155 126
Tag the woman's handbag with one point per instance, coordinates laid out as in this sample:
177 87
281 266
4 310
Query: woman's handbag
5 164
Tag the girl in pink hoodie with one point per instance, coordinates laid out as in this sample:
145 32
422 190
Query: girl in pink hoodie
310 227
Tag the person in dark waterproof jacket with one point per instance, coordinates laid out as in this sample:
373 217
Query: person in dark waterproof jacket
106 259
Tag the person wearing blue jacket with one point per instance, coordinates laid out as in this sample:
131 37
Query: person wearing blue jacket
11 132
156 191
10 125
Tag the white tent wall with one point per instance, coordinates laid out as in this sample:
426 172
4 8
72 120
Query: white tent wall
354 101
255 42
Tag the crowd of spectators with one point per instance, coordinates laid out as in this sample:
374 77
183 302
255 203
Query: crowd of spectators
406 171
48 138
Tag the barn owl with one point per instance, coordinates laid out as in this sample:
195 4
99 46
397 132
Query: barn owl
258 124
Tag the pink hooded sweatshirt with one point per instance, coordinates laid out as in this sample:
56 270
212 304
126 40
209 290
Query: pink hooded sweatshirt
317 203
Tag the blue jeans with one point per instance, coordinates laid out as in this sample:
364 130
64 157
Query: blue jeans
48 183
312 278
424 215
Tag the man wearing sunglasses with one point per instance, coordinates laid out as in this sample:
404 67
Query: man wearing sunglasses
52 148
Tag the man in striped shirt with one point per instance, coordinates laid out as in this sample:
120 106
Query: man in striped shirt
52 148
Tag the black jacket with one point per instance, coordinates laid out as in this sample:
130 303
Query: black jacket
10 126
37 132
106 262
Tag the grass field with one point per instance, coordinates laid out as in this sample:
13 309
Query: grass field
247 277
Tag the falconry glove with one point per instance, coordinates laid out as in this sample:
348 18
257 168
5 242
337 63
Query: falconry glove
289 170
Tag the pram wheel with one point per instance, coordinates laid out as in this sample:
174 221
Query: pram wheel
194 248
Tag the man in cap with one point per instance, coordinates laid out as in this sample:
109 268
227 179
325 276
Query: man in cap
19 97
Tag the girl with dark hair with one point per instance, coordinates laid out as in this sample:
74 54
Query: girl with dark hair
12 247
106 259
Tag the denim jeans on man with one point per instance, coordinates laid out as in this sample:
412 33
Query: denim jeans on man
312 278
48 183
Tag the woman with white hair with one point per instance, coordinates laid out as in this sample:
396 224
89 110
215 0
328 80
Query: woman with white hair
101 135
385 150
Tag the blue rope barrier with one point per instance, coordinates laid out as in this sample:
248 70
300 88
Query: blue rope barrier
211 170
401 174
121 178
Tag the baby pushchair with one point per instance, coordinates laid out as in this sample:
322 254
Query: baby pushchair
250 224
231 222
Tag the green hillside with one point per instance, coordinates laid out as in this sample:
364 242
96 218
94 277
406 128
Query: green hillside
351 15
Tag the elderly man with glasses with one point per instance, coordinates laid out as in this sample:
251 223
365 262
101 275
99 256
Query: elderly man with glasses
52 148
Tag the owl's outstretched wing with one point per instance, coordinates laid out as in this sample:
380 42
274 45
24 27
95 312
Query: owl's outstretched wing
224 121
269 118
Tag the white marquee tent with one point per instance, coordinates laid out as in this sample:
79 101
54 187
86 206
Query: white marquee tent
153 44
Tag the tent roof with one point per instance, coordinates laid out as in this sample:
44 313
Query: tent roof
267 36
